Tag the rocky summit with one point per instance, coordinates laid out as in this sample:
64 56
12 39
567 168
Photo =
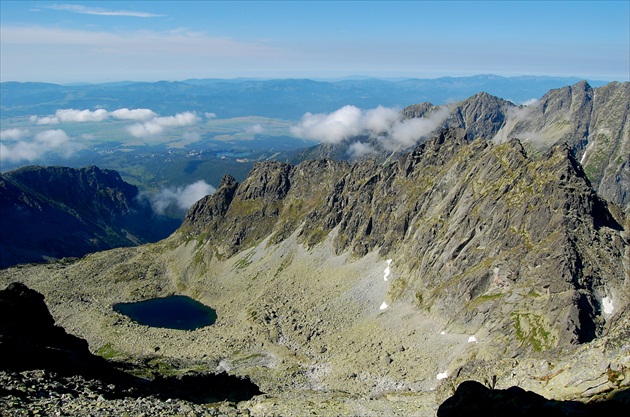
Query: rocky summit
377 288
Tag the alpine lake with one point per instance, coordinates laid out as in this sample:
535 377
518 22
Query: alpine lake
173 312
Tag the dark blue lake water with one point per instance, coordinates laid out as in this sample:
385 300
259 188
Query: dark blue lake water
173 312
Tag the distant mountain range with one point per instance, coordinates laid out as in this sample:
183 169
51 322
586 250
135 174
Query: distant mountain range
283 98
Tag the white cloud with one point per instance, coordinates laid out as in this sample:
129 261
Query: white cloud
143 130
332 127
46 120
30 149
156 125
80 116
359 149
181 197
530 102
406 133
52 138
380 119
257 129
135 114
386 123
14 134
210 115
150 124
180 119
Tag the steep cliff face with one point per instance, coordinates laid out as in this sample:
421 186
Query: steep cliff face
54 212
594 122
474 223
273 200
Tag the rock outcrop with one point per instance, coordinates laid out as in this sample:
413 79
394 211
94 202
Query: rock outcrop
30 340
473 398
595 122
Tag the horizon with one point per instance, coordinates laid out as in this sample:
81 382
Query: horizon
323 80
97 42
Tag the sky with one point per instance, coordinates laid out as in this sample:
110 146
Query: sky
108 41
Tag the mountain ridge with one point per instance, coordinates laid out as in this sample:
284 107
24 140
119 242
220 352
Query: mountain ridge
594 122
55 212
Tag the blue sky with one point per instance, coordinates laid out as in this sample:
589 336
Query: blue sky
102 41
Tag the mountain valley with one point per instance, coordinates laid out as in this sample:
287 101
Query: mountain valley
495 249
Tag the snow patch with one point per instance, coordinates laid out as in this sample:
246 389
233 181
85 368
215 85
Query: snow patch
607 304
387 270
442 375
588 148
472 339
384 306
443 332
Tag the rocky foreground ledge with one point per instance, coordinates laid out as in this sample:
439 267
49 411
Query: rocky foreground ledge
46 371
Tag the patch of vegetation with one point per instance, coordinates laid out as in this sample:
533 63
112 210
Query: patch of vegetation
107 351
483 299
245 261
314 236
598 158
533 293
419 299
533 330
199 256
163 367
397 288
285 263
248 358
242 208
252 314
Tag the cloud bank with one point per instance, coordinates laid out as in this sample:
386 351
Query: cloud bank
156 125
99 115
386 124
180 197
359 150
20 146
148 122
